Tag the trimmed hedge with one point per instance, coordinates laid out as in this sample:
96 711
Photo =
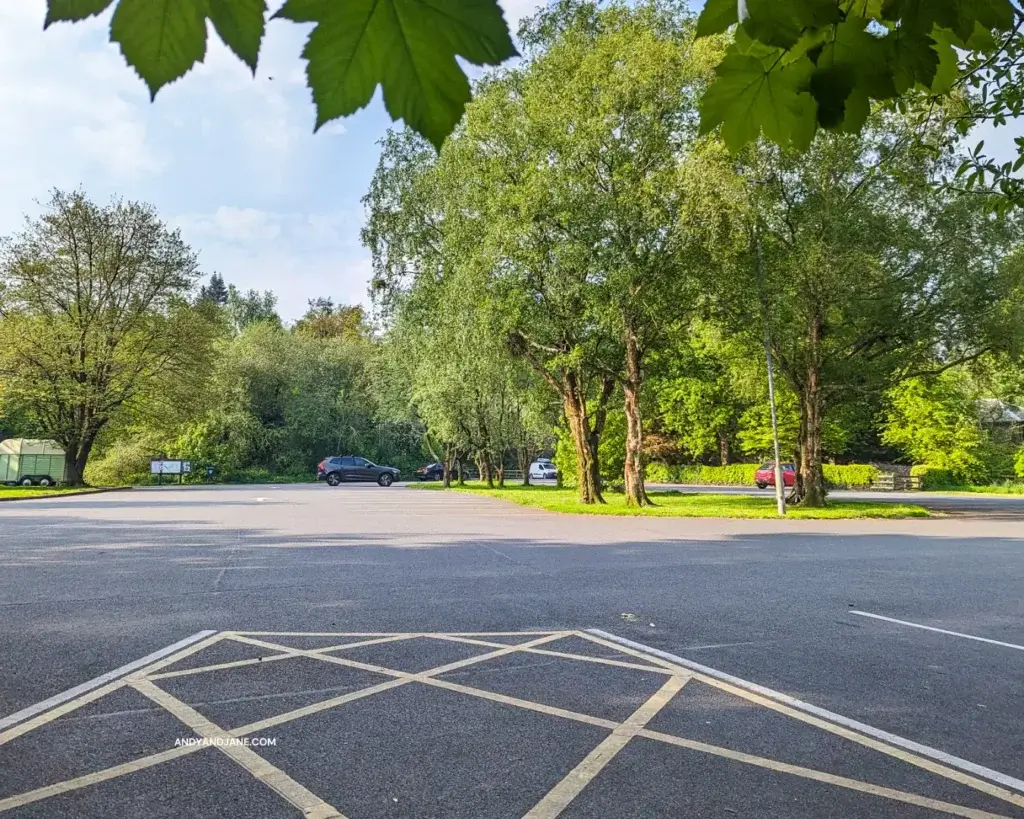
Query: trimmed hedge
659 472
933 477
732 475
852 476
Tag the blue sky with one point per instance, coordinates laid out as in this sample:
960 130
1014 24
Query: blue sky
229 159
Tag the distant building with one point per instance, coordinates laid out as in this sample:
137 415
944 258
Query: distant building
1004 421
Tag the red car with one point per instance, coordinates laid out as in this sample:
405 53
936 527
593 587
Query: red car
765 475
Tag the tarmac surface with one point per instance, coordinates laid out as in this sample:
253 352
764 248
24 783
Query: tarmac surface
356 652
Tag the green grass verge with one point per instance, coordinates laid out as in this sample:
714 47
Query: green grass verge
685 505
995 489
18 492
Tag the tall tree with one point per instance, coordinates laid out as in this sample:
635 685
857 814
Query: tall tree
251 307
93 310
324 320
608 116
864 272
215 292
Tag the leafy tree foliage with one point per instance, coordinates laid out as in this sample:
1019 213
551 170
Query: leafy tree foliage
797 65
935 422
793 66
251 307
94 309
216 291
864 272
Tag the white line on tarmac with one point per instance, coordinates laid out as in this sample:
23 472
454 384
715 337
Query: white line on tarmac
56 699
937 630
778 696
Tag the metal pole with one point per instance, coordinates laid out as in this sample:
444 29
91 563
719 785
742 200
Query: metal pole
780 484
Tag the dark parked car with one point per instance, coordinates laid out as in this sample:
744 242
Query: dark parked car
430 472
765 475
347 468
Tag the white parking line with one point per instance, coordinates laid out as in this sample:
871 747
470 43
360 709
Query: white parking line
71 693
923 750
937 630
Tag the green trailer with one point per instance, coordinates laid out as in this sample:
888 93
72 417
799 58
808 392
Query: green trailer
26 462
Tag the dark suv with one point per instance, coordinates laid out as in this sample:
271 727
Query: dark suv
340 468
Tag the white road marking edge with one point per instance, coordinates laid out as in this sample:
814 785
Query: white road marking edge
892 739
937 630
57 699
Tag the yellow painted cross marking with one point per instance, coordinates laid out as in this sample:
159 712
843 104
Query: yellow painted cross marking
559 797
551 805
311 805
839 730
285 655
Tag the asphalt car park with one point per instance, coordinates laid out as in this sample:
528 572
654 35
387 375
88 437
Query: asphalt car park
360 652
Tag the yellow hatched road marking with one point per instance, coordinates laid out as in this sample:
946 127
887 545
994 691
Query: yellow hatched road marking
550 653
85 781
173 658
597 760
559 797
156 759
96 693
292 652
60 710
311 805
682 674
821 776
400 633
862 739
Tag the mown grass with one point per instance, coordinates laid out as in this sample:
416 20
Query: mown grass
685 505
18 492
994 489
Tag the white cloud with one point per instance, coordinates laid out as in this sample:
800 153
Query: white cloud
516 10
70 106
245 223
262 199
297 255
333 128
119 145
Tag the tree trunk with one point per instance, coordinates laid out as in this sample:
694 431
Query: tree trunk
633 474
597 430
523 459
483 465
811 475
76 456
501 475
723 448
462 475
588 485
449 458
71 474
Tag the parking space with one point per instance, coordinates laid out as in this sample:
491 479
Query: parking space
369 652
508 724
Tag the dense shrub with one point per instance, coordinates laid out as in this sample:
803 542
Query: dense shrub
256 475
851 476
1018 464
933 477
661 473
854 476
125 463
732 475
